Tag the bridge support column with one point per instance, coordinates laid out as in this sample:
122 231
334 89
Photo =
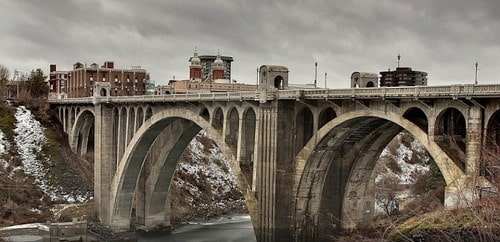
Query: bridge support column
274 171
473 143
464 191
102 160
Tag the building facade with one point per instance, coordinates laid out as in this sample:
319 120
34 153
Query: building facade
207 64
80 81
403 76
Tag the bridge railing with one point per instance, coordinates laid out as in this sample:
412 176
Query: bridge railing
451 91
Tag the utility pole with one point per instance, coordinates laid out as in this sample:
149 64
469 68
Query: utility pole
399 58
475 77
325 80
315 73
257 83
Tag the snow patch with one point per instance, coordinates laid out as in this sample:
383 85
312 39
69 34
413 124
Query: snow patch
213 167
29 139
4 144
409 172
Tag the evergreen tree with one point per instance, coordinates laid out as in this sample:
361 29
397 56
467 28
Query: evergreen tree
37 85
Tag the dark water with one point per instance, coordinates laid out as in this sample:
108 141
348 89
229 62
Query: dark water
236 228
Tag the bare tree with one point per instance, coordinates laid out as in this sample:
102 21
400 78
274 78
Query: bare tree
4 77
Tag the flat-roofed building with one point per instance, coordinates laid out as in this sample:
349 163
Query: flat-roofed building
403 76
80 81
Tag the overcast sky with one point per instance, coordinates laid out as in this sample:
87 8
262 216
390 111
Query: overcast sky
442 37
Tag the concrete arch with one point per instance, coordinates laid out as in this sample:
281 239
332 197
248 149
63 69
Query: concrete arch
441 108
71 118
304 127
248 138
441 118
489 159
325 116
204 113
149 113
139 119
314 164
81 132
65 120
450 133
125 180
130 124
232 127
122 133
218 118
417 116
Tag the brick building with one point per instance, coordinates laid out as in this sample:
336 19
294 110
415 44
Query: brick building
80 81
205 67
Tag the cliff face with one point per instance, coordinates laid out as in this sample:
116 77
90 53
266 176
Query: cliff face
36 171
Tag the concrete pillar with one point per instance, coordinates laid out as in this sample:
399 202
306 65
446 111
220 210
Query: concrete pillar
274 172
463 192
473 143
102 158
266 172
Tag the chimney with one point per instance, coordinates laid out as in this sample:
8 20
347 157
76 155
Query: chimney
52 67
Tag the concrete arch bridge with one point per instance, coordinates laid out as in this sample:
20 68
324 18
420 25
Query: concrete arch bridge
303 158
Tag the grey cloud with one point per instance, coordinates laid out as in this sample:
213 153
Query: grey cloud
441 37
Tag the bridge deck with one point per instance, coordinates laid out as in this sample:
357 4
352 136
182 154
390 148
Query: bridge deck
452 91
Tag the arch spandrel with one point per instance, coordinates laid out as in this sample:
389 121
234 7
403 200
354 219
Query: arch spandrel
128 171
313 168
439 110
450 171
79 123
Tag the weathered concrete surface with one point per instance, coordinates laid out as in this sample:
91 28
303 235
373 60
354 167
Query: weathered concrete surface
303 160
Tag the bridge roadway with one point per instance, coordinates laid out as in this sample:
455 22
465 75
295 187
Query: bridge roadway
467 91
303 158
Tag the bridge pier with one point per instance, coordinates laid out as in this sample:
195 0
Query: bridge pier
275 172
103 173
465 190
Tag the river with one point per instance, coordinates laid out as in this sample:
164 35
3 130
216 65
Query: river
237 227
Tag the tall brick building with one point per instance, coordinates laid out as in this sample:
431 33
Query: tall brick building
80 81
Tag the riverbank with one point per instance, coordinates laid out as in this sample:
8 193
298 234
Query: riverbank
233 227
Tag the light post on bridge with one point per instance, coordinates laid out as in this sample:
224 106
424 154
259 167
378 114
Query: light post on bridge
475 76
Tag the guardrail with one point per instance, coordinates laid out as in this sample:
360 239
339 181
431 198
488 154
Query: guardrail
452 91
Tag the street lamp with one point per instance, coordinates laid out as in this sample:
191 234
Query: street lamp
475 77
315 73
